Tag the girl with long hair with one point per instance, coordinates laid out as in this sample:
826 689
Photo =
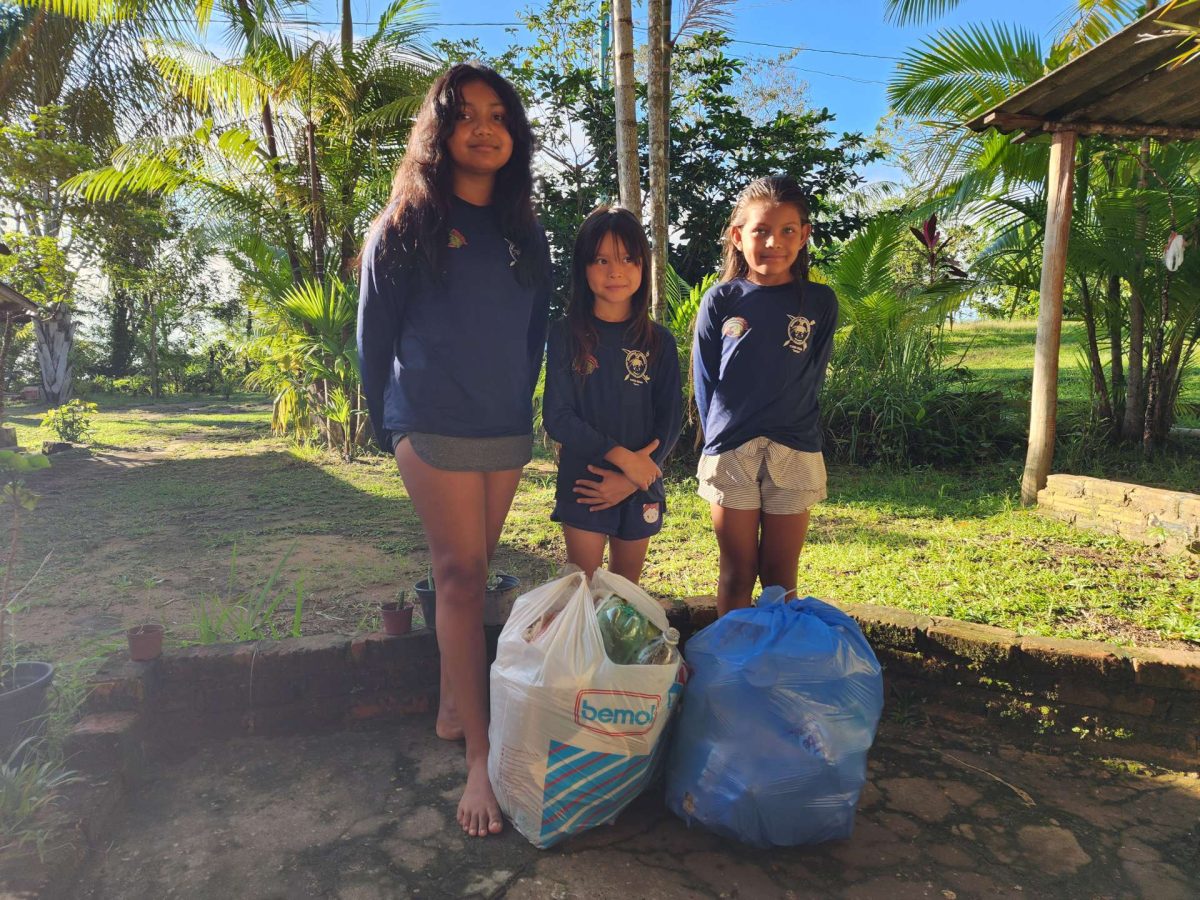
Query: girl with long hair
454 296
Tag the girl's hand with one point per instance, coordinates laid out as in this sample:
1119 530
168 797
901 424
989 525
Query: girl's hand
639 467
611 490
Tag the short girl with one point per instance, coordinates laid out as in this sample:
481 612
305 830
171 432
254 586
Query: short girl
764 335
612 399
452 324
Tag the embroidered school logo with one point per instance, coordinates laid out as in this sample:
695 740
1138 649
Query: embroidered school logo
650 513
637 367
514 251
735 327
457 239
799 331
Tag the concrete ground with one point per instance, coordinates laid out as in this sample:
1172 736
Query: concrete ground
368 814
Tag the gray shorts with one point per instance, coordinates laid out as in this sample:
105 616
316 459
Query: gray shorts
469 454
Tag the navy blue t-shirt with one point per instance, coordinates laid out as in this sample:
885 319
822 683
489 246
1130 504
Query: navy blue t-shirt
758 361
458 354
627 401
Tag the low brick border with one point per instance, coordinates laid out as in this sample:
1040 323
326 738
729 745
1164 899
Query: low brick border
1168 520
1137 703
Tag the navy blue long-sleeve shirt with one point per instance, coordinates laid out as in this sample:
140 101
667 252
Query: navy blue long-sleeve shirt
758 362
626 401
458 354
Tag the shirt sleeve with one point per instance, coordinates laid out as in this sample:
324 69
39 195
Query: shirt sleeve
538 319
559 415
825 349
706 353
379 305
668 398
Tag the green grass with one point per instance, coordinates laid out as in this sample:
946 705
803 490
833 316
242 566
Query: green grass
1001 353
146 528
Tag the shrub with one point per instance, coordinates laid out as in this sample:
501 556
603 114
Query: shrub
71 421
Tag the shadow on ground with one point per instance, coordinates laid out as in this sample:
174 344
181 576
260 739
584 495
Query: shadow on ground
147 536
368 814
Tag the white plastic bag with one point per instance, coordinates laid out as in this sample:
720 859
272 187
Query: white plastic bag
573 735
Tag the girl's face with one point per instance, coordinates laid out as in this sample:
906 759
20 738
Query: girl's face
770 237
613 277
480 143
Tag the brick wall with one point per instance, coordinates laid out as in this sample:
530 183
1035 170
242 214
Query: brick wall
1160 518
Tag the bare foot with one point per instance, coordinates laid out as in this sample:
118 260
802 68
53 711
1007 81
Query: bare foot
449 725
478 811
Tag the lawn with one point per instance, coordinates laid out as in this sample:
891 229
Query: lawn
189 506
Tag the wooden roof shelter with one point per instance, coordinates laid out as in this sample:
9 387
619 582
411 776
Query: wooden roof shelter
1123 87
15 303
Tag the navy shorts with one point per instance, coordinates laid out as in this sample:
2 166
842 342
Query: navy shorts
634 520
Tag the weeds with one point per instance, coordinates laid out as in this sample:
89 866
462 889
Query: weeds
248 618
30 784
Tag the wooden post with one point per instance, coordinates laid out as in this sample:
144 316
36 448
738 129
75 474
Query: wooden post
1043 407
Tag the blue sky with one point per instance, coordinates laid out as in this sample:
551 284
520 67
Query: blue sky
853 87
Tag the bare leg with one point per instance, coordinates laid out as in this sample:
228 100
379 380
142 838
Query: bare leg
737 538
779 552
451 506
585 548
499 489
628 557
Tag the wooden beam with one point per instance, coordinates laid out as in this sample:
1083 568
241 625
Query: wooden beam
1043 407
1013 122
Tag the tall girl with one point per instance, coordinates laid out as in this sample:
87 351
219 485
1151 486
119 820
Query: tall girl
612 399
764 335
451 330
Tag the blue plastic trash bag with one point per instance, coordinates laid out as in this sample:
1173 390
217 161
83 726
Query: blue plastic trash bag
781 709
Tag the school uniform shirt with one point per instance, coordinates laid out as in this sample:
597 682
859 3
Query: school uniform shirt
458 354
758 361
627 400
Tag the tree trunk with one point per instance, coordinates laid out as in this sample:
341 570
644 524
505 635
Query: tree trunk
152 319
1043 408
1116 350
628 171
1153 431
659 124
55 333
1135 409
1099 387
318 206
5 346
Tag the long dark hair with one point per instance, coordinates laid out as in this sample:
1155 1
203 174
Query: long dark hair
772 189
627 230
414 221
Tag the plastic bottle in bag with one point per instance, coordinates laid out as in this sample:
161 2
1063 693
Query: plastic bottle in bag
661 651
626 631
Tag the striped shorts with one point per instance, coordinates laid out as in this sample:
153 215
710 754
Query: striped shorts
763 474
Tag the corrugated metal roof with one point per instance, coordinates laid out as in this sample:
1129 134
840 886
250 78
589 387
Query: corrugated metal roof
1122 83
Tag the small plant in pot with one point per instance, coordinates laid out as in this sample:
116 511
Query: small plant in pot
23 683
397 615
499 594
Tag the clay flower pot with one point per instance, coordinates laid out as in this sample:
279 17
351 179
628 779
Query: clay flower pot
145 642
397 618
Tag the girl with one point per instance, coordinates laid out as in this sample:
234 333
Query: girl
763 339
612 399
451 330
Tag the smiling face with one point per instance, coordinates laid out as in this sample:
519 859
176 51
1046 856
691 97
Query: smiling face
613 277
480 143
770 237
